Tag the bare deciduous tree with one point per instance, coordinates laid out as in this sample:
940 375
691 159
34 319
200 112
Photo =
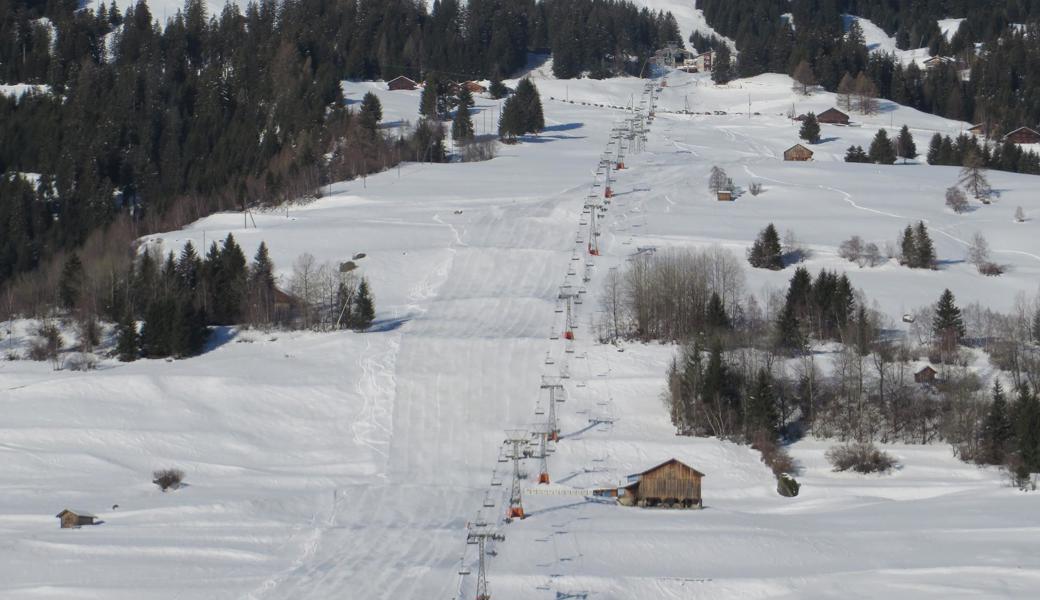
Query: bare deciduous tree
956 200
852 250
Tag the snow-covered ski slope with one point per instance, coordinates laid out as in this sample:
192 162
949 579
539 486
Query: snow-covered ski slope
347 465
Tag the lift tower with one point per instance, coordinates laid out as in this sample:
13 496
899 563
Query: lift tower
516 441
480 538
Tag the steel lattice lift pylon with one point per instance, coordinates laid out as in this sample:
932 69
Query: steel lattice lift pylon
480 537
568 327
593 234
555 387
515 441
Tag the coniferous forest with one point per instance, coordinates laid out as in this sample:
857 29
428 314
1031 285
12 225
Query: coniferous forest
146 126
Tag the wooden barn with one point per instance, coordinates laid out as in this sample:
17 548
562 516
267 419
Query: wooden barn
401 83
75 518
925 375
671 484
798 152
1023 135
474 87
833 116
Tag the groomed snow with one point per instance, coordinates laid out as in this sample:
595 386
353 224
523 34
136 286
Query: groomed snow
347 465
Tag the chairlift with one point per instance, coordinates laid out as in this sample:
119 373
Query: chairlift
496 481
488 502
464 571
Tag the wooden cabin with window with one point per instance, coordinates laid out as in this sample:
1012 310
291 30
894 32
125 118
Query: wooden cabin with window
671 484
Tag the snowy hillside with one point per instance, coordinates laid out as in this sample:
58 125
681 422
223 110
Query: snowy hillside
348 465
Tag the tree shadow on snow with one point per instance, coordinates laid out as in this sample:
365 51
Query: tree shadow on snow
545 139
564 127
384 325
218 336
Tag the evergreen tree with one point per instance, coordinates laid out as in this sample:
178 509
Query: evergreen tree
881 149
465 97
788 329
973 176
364 307
855 154
810 130
997 431
497 89
428 99
230 283
462 125
905 147
716 318
156 333
716 382
804 79
371 113
188 330
260 286
127 342
761 406
766 252
70 285
908 248
1036 326
925 251
344 308
934 149
189 268
948 322
1027 429
722 68
522 112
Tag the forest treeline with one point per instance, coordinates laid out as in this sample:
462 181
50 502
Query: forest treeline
1005 71
147 126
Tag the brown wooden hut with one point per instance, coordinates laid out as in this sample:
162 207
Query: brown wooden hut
798 152
75 518
401 83
1023 135
671 484
725 195
925 375
833 116
474 87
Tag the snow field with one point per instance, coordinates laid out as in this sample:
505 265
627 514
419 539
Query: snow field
324 465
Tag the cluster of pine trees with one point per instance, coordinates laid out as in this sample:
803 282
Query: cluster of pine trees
915 247
1007 156
1011 433
522 112
177 298
820 308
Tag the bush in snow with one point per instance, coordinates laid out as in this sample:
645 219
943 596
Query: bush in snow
861 458
168 478
787 486
755 188
852 250
1020 215
48 343
956 199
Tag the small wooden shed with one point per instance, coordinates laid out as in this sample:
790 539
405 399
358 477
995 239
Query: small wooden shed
925 375
1023 135
725 195
671 484
833 116
474 87
798 152
75 518
401 83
